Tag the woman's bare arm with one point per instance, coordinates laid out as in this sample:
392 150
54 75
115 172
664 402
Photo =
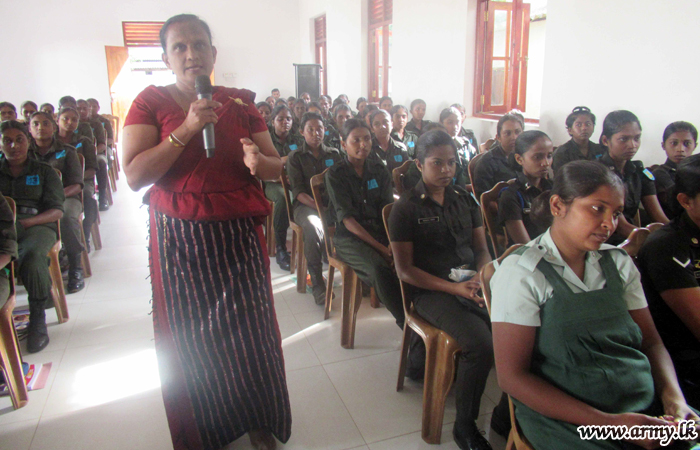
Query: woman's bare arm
653 208
517 232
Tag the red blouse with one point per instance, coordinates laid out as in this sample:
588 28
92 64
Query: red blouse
197 187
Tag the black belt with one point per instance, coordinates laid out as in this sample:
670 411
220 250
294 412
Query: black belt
25 210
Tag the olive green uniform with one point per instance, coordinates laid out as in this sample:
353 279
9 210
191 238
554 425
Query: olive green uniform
301 166
102 159
274 190
84 129
394 156
8 245
36 190
362 199
64 158
85 147
410 140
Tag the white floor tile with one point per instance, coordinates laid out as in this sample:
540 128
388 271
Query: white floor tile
131 256
18 435
126 283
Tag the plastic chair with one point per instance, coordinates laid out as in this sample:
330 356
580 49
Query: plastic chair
471 168
485 146
515 438
270 232
351 298
84 257
441 350
298 261
654 226
10 358
635 241
58 293
489 209
398 173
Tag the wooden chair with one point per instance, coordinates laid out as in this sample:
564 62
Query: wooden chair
440 352
637 220
297 261
635 241
58 292
10 358
489 210
270 232
515 438
351 298
117 131
398 173
84 257
471 168
485 146
654 226
95 232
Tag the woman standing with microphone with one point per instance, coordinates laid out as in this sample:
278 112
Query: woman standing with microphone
217 340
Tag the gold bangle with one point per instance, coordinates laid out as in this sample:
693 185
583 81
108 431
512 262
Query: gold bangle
175 141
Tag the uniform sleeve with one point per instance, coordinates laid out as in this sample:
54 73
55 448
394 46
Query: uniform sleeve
8 233
402 222
509 206
666 266
648 185
52 195
108 128
73 171
560 158
99 132
516 294
483 175
633 293
296 175
339 196
477 219
89 153
387 188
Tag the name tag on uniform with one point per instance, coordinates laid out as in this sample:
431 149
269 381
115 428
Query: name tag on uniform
61 154
398 158
80 144
32 180
428 220
372 184
329 162
411 144
293 147
648 174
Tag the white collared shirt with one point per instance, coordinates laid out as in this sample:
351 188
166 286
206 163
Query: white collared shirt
519 290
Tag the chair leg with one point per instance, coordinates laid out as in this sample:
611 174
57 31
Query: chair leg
84 257
11 363
350 308
108 190
510 445
373 299
96 238
405 344
329 292
437 385
270 236
58 293
301 266
293 253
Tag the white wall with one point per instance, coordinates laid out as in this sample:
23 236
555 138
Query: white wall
346 43
64 55
640 55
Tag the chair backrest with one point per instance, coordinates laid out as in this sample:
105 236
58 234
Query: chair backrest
487 272
60 175
398 173
635 241
386 212
287 194
654 226
489 209
81 158
318 185
115 125
471 168
485 146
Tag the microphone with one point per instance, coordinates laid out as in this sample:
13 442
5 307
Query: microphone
203 87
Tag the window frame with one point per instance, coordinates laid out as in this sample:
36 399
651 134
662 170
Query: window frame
380 16
321 50
141 34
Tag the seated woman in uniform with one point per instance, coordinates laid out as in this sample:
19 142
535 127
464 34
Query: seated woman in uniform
451 119
463 132
532 159
679 142
8 111
28 108
399 119
341 113
417 123
669 262
265 110
384 148
580 124
311 159
47 149
49 109
285 142
361 105
493 166
369 109
299 109
358 189
68 119
574 341
386 103
8 247
37 190
435 227
621 138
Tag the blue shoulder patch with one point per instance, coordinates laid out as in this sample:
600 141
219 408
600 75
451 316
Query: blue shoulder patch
61 154
411 144
328 132
648 174
329 162
80 144
372 184
398 158
293 147
32 180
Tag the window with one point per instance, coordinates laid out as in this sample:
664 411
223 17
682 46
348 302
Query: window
380 15
142 34
503 29
321 51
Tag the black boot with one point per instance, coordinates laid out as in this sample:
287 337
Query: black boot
102 194
469 437
318 285
104 204
282 257
75 274
38 335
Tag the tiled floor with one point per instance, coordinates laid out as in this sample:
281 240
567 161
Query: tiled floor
104 391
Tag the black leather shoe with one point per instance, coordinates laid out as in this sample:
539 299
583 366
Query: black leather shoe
471 440
75 281
282 257
38 334
319 292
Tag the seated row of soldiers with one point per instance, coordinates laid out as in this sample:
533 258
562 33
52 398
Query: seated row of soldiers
33 152
444 233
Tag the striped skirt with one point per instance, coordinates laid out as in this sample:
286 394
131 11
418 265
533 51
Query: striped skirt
217 341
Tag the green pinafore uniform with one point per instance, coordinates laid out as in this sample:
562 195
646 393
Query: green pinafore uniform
589 347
